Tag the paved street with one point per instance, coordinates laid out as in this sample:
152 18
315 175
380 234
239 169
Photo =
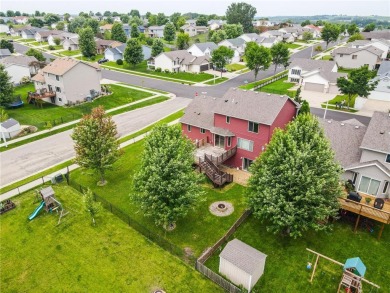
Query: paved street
23 161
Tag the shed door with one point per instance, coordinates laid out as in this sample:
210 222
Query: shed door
314 87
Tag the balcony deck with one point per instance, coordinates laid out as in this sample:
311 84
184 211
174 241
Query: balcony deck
209 150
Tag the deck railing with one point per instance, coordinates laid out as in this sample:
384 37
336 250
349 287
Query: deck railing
223 157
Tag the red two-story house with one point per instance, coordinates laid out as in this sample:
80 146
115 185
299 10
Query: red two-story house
244 120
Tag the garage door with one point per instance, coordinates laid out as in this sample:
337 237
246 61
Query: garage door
204 67
333 89
314 87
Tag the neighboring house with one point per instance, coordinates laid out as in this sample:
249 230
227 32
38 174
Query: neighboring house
115 53
72 80
315 30
237 45
71 44
379 44
251 37
106 27
42 36
191 22
63 36
193 30
262 22
103 45
363 152
244 120
4 28
377 35
215 24
273 34
29 33
382 90
4 53
17 32
127 29
20 19
180 61
269 42
357 57
156 31
315 75
18 67
289 38
202 49
242 264
10 128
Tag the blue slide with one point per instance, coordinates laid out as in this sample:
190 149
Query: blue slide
35 213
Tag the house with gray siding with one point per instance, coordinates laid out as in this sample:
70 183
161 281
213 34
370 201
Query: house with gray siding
357 57
202 49
156 31
72 80
113 54
363 152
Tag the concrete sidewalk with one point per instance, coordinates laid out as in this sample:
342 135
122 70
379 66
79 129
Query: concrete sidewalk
47 178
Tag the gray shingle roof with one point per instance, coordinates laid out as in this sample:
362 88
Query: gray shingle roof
18 60
268 41
369 163
349 51
185 57
359 43
345 140
243 256
221 131
253 106
237 42
384 68
383 34
9 123
203 46
309 64
377 136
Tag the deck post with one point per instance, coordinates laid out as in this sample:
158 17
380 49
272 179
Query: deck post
314 269
357 223
381 231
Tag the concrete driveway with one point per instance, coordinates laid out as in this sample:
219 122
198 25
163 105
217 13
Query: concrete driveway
315 99
370 106
26 160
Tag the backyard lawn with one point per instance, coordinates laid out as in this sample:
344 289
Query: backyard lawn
31 115
70 53
340 98
201 38
285 269
142 69
251 85
197 231
39 256
234 67
95 59
278 87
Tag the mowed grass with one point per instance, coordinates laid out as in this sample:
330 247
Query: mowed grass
341 98
39 256
292 46
285 268
277 87
70 53
197 231
32 115
216 81
234 67
142 68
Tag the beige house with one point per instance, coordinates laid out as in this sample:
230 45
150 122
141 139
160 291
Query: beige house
363 152
193 30
72 80
358 57
180 61
71 44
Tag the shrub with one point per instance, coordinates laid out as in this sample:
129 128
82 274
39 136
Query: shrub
167 71
318 48
93 58
51 47
119 62
158 69
149 41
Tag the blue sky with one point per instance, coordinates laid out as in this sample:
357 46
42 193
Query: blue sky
264 7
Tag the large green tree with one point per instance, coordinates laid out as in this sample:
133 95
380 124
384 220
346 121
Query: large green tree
295 183
51 18
355 37
280 54
96 144
369 27
157 47
161 19
4 44
93 24
134 13
221 56
169 32
6 87
133 53
76 24
182 41
35 53
118 33
134 33
257 57
201 21
233 30
359 82
352 29
36 22
218 36
330 33
241 13
166 187
87 42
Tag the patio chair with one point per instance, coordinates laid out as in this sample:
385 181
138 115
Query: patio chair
379 203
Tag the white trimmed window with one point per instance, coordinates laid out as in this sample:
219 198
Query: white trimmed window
188 128
245 144
202 130
296 71
369 185
253 127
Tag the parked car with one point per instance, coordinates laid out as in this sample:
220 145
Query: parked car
103 60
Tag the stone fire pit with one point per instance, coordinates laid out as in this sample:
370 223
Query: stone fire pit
221 208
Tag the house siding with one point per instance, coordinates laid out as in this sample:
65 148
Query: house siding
195 134
372 172
368 155
233 273
363 57
17 72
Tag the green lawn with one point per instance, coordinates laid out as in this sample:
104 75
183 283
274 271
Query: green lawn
32 115
201 38
344 70
285 269
327 57
142 68
234 67
279 87
95 59
25 40
340 98
217 80
59 47
39 256
142 104
198 230
292 46
70 53
251 85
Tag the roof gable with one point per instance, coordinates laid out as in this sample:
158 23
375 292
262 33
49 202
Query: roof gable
377 136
